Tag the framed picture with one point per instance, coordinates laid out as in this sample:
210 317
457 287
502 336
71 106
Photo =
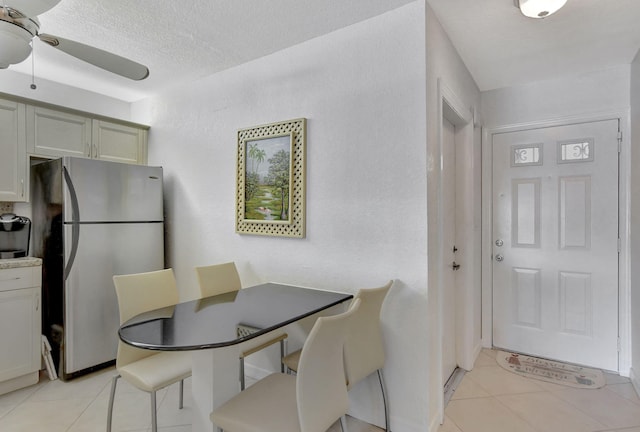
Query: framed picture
270 190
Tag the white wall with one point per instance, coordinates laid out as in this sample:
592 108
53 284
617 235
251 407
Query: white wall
597 92
17 84
362 90
634 234
444 63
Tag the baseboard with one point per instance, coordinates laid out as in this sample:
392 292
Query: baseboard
256 372
635 381
19 382
434 426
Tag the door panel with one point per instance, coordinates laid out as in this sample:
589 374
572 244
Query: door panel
91 309
113 192
555 245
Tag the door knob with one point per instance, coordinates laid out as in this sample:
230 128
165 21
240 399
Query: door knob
499 258
455 266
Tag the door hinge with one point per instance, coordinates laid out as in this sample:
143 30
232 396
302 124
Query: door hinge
619 345
619 141
619 245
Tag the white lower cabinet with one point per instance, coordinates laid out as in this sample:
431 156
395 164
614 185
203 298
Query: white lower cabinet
20 328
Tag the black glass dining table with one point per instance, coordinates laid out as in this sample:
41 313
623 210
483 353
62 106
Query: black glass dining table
214 328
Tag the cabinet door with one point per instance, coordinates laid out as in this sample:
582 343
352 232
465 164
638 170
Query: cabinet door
56 133
119 143
13 158
20 335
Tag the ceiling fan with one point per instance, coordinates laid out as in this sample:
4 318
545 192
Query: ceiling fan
19 25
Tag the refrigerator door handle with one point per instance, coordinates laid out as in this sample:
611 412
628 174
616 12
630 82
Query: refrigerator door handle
75 219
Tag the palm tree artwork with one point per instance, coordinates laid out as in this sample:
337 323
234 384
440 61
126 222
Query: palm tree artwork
267 186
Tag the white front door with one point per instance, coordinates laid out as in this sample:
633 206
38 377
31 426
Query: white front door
449 361
555 242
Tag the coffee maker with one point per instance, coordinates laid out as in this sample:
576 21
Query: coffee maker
14 236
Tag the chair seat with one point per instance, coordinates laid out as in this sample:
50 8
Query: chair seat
267 406
291 360
157 371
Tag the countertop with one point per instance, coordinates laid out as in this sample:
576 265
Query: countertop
19 262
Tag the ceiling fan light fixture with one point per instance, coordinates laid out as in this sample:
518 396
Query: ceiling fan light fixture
15 43
32 8
539 8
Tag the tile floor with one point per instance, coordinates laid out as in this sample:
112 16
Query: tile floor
80 405
491 399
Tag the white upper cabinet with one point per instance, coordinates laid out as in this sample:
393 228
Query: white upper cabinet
119 143
44 132
55 133
13 160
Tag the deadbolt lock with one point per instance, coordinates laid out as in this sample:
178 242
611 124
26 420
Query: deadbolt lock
499 242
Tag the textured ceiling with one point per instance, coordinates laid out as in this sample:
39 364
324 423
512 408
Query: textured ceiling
183 40
502 48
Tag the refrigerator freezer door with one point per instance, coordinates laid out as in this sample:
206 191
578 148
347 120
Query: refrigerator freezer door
103 250
111 192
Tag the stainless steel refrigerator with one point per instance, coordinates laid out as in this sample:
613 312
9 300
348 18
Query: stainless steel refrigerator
91 220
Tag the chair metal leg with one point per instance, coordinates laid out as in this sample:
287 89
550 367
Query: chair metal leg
154 417
241 373
283 352
384 400
181 401
343 423
114 381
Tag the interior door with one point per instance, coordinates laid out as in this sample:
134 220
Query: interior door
449 362
555 242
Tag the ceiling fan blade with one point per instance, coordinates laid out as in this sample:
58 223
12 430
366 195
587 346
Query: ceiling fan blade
97 57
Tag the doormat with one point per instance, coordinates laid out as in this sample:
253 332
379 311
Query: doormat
551 371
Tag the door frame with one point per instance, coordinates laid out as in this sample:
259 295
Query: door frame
624 301
467 303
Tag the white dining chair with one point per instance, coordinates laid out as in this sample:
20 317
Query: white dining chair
147 370
311 401
363 349
223 278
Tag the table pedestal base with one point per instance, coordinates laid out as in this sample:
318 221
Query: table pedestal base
214 381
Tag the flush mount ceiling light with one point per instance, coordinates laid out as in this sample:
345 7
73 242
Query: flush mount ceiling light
539 8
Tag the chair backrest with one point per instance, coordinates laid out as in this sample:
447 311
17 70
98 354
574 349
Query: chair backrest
138 293
320 385
218 279
363 349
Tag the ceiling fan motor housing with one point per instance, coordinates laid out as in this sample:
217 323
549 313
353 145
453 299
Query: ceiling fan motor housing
16 32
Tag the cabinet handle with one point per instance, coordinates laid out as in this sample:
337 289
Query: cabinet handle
95 150
89 152
22 185
37 302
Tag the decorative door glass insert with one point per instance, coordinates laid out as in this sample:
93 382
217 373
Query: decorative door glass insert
580 150
525 155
